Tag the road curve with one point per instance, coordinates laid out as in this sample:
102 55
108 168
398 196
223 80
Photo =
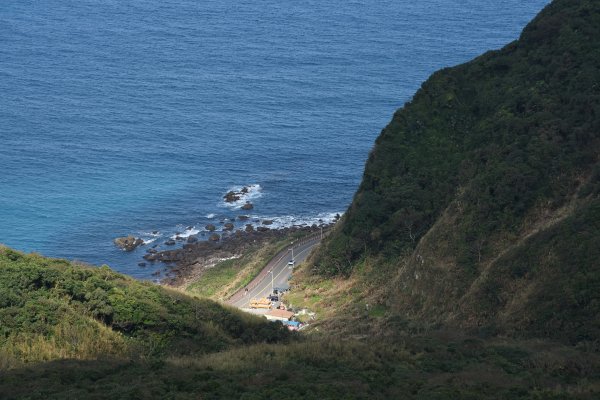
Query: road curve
262 285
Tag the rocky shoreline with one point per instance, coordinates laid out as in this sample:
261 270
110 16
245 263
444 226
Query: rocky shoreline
231 237
189 262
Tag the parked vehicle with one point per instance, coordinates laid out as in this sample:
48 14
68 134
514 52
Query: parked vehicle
291 264
281 289
273 297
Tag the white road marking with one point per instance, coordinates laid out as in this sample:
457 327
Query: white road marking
275 277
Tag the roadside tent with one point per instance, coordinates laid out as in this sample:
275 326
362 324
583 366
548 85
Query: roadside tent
279 315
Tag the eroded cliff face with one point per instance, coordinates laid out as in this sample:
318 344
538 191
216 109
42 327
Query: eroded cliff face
484 190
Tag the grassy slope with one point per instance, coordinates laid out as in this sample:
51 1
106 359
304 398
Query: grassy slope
409 368
51 309
70 331
479 201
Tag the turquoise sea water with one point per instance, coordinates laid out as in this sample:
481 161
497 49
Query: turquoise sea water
127 117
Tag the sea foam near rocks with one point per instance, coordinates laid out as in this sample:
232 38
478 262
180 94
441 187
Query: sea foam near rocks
186 233
288 221
246 194
150 237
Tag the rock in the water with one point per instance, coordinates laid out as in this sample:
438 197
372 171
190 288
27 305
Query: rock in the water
249 228
214 237
228 226
231 197
155 232
244 190
170 242
192 239
150 257
262 229
267 222
142 264
152 251
210 227
247 206
243 217
189 228
128 243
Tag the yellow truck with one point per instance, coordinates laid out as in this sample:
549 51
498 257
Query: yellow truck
260 303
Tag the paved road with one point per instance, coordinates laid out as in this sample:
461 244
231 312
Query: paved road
262 285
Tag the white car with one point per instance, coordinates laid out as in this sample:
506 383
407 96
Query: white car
291 264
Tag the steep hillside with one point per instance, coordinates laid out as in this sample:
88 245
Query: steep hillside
482 193
51 309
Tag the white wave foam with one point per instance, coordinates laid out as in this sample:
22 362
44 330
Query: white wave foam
187 233
287 221
149 237
278 222
210 216
253 192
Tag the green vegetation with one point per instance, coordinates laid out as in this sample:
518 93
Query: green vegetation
408 368
466 267
508 131
70 331
51 309
216 278
476 184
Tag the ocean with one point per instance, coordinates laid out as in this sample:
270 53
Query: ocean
134 117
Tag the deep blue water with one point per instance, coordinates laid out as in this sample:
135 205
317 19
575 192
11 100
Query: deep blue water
125 117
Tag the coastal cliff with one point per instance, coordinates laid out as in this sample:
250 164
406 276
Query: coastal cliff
480 200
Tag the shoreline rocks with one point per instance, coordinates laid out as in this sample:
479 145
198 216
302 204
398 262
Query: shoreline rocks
192 239
128 243
231 197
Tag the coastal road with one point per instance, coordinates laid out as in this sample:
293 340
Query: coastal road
276 273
